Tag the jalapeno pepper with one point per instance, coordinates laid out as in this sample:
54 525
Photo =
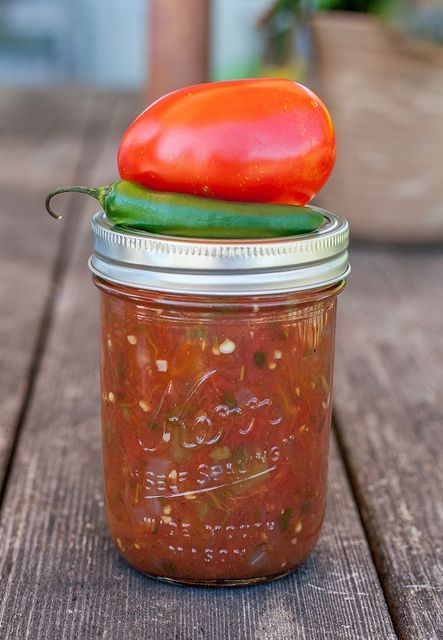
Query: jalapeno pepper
130 205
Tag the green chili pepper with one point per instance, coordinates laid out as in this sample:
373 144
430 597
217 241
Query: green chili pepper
260 359
284 519
127 204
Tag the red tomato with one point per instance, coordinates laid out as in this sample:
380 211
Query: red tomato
260 140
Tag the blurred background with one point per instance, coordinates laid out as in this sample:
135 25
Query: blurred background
377 64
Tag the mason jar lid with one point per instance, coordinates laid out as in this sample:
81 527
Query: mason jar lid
220 267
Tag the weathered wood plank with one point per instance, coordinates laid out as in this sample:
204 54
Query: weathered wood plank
60 576
41 140
390 413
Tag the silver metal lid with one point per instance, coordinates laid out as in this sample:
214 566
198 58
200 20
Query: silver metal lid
221 267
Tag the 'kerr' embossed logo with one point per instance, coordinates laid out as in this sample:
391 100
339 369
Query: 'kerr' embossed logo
194 420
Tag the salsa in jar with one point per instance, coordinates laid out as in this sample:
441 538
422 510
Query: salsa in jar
216 415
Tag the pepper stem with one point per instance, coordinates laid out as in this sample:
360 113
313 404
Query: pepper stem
99 194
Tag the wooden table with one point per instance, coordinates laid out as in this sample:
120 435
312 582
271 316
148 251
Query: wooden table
377 570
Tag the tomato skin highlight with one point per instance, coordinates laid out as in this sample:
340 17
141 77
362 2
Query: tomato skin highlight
258 140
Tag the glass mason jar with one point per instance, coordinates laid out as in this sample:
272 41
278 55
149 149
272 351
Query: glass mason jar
217 361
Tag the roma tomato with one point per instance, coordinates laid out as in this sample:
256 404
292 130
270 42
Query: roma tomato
259 140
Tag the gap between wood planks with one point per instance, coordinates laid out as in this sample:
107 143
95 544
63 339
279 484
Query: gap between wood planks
70 227
358 501
387 400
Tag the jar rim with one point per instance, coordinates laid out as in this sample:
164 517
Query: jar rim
144 260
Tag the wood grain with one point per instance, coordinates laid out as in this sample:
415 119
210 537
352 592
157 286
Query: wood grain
389 409
60 576
42 136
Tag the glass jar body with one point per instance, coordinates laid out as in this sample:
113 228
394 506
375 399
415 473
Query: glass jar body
216 417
